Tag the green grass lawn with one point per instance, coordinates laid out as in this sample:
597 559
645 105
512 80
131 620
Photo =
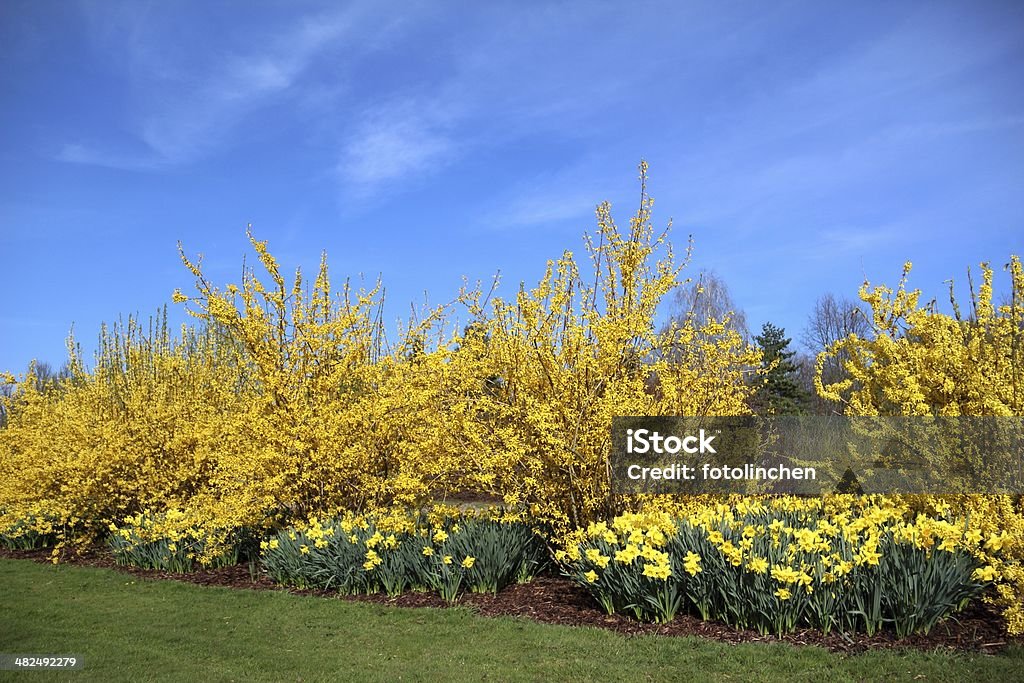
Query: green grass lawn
137 630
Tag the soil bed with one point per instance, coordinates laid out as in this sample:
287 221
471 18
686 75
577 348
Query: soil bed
553 599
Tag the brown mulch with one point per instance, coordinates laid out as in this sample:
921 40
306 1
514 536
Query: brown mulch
554 599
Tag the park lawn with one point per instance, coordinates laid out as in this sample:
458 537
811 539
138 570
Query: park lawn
130 629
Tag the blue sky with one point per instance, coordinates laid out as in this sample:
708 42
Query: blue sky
805 145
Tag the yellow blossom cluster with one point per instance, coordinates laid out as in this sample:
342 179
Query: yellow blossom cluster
286 403
367 553
817 558
285 399
919 361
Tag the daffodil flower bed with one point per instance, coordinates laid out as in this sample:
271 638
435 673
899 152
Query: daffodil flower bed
170 542
354 554
774 564
31 533
778 565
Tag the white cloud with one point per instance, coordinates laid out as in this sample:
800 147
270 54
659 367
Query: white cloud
240 84
184 106
388 148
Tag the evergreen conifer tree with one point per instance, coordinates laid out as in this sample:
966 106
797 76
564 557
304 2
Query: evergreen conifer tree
779 392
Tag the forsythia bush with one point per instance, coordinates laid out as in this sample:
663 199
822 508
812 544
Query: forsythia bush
564 358
286 401
919 361
136 433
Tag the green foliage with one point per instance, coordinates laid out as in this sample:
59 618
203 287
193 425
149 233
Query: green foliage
775 571
352 555
504 553
144 542
26 535
778 391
